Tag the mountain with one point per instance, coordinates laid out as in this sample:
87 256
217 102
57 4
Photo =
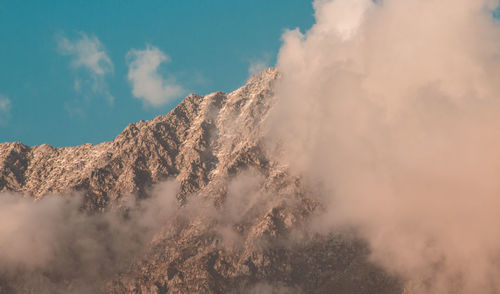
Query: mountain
240 220
193 142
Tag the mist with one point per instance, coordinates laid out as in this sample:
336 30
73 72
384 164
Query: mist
389 111
54 246
393 108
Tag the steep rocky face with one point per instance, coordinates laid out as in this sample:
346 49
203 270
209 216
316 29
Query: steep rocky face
249 233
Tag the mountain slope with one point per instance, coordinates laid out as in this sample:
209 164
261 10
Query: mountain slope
242 221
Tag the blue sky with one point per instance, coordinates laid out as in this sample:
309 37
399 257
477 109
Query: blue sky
74 72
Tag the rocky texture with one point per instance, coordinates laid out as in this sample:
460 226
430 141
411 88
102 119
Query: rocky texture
249 238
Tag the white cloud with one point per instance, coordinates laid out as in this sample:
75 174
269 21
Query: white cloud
5 106
393 108
258 64
89 54
147 83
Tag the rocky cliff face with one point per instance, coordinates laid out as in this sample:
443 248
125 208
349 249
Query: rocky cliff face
249 235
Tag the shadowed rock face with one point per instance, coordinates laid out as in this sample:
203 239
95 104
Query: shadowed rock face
212 146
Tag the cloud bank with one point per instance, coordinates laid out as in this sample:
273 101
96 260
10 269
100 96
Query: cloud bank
147 83
394 108
89 54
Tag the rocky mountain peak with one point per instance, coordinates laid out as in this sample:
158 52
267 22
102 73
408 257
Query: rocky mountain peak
249 238
181 144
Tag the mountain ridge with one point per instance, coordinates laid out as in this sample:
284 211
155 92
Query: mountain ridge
246 230
40 170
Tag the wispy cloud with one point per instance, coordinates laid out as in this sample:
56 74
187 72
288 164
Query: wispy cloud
5 106
258 64
147 83
88 53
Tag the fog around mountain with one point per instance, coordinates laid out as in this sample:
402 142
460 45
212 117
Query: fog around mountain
366 162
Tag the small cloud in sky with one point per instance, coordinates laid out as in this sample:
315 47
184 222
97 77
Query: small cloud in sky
259 64
88 53
5 106
147 83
